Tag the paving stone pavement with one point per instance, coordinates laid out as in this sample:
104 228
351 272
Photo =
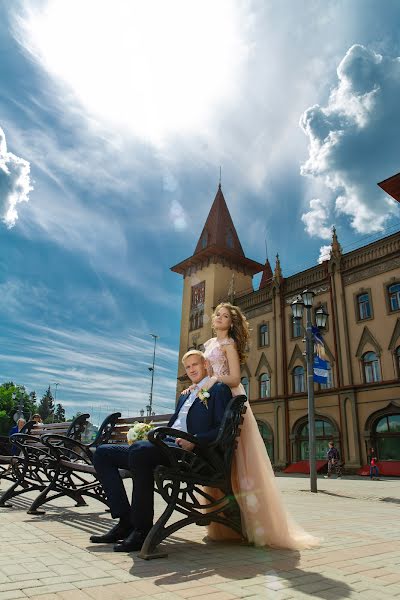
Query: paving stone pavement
49 557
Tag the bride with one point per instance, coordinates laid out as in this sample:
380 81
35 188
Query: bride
265 521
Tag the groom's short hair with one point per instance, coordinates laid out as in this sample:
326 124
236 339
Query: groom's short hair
190 352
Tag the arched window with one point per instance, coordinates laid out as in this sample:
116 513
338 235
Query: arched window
265 385
324 433
245 383
386 433
329 381
263 335
299 384
268 438
394 296
371 368
229 238
204 240
397 359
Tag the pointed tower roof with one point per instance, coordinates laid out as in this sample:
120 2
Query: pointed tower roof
219 239
266 276
336 249
278 271
219 229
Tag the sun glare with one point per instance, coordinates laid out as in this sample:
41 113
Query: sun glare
157 67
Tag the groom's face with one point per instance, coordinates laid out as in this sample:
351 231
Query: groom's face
195 368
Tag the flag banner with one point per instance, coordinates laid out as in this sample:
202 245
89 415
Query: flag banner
319 343
320 370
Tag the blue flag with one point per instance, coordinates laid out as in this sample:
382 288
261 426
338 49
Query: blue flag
320 370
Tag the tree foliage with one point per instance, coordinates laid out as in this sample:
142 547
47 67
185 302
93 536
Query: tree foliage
11 395
46 406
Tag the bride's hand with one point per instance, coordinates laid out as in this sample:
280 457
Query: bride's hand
189 389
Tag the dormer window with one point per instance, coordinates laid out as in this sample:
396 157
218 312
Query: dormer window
229 238
204 240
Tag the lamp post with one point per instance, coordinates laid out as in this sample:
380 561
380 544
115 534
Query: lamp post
55 400
306 301
19 414
150 406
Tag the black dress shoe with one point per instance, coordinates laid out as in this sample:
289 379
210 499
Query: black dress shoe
134 541
116 533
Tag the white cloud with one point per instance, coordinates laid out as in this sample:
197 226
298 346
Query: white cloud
177 215
354 141
316 219
324 253
98 372
152 76
15 183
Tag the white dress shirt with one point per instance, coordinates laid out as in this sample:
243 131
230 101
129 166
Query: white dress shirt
181 420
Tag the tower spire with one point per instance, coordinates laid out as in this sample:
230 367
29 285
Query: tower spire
278 270
336 249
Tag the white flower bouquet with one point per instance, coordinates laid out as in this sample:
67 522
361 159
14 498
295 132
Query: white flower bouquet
138 432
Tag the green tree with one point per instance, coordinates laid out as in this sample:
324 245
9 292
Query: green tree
10 395
59 415
46 406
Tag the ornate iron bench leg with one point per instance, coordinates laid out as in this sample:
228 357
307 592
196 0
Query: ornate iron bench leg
158 532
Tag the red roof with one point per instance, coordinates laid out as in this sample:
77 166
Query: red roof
392 186
219 238
266 276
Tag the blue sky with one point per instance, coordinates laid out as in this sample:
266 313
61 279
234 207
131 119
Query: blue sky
115 117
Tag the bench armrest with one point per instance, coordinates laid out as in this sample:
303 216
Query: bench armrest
105 430
63 447
156 436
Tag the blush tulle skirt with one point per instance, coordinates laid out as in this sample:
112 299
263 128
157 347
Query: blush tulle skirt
265 522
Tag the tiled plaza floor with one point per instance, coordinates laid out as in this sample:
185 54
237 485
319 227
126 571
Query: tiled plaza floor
50 558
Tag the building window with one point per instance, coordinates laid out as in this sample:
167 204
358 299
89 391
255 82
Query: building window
267 436
324 433
229 238
386 436
329 381
370 362
263 336
204 240
265 385
198 293
245 383
394 296
299 384
364 306
297 328
397 359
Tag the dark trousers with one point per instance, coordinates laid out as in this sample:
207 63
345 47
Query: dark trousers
140 458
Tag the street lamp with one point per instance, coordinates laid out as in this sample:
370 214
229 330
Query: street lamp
55 401
150 407
321 316
19 414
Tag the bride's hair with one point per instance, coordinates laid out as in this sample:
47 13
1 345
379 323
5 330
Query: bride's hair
239 331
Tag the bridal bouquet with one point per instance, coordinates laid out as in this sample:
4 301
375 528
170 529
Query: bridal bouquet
138 431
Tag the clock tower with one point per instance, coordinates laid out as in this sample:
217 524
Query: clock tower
216 272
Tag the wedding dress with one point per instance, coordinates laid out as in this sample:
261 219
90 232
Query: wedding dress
265 521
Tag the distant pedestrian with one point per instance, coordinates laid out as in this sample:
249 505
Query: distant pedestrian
37 418
16 429
334 464
373 466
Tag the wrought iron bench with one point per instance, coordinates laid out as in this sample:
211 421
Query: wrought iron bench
32 468
6 454
181 484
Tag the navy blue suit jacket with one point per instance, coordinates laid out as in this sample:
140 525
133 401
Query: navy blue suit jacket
203 422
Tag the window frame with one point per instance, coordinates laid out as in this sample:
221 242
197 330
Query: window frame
357 295
365 364
294 379
265 334
267 385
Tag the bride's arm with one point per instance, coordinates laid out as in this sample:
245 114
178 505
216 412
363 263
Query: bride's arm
233 379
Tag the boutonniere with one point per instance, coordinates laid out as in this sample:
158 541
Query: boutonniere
204 396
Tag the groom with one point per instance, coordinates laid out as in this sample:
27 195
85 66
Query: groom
201 418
